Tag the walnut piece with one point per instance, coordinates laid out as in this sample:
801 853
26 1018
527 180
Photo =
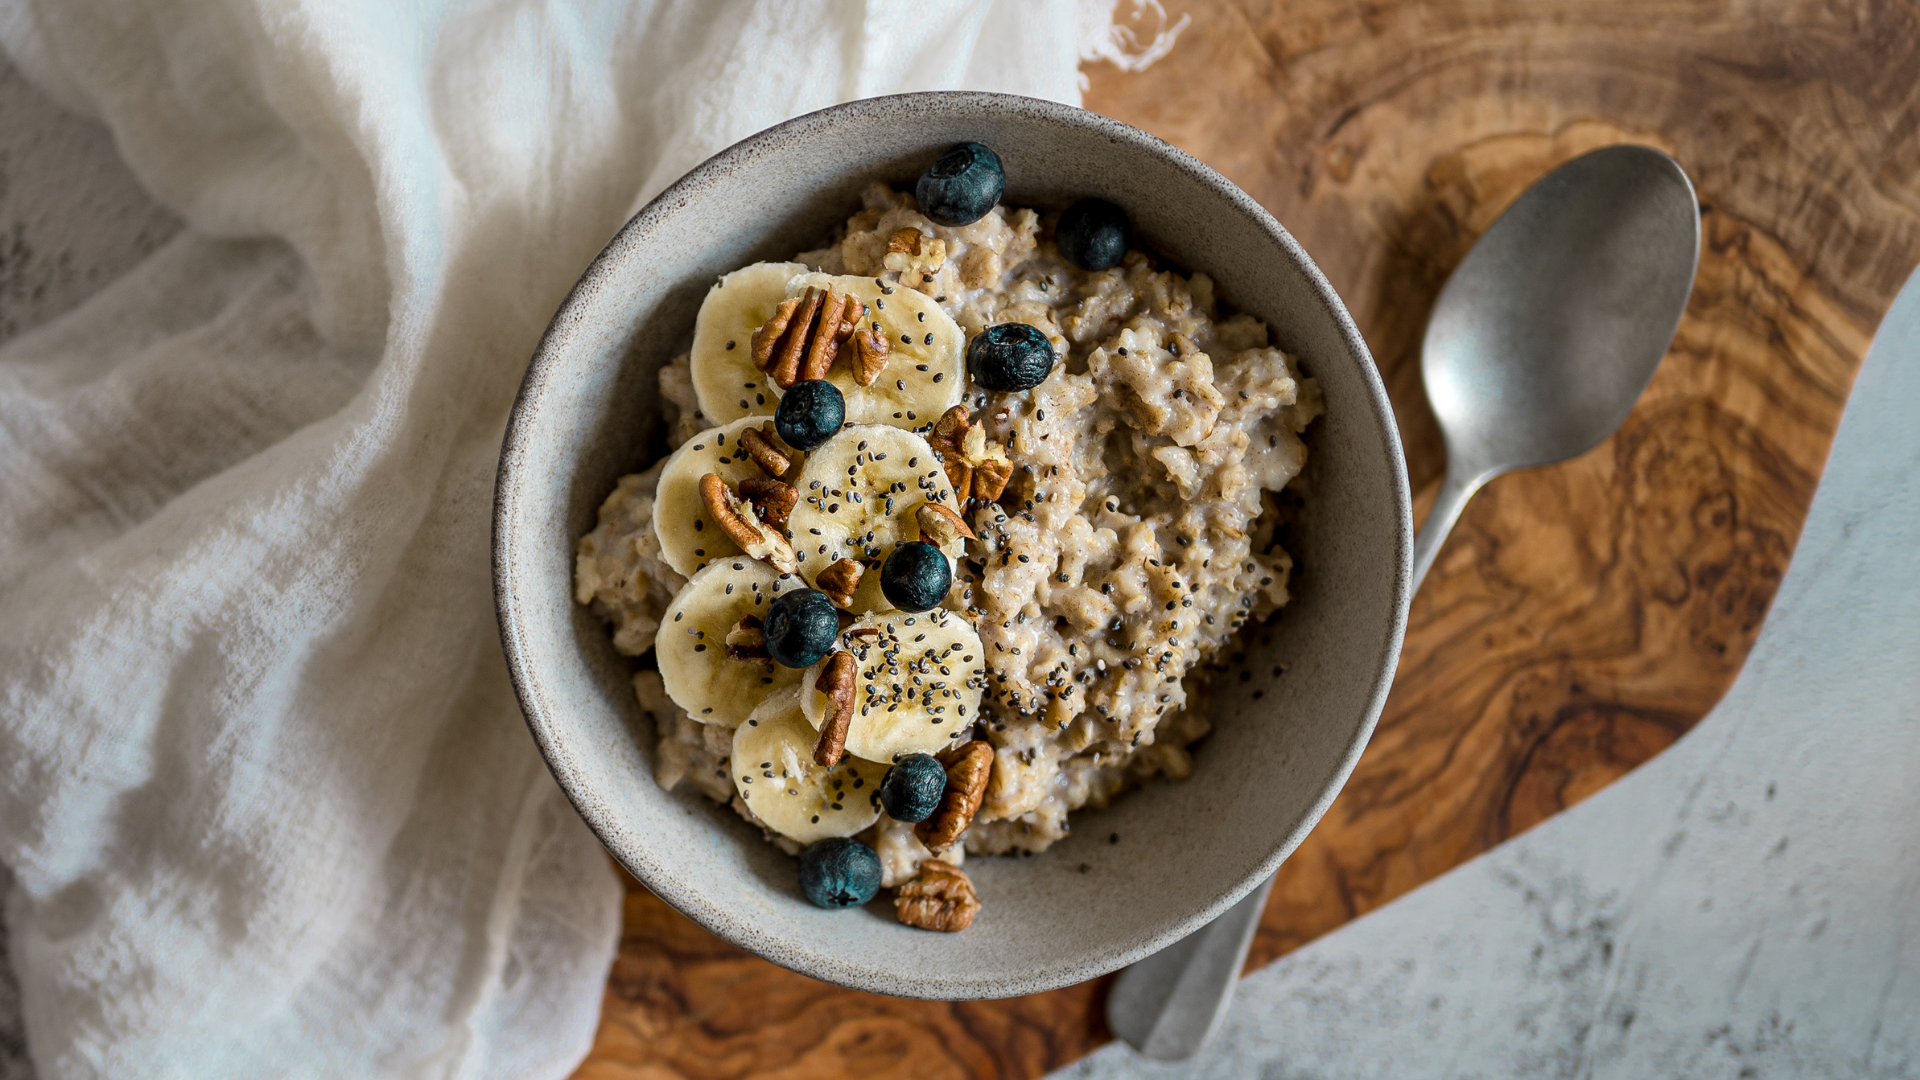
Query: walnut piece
947 438
911 252
771 499
737 520
836 681
940 898
973 446
748 640
840 580
968 769
939 525
990 479
959 474
950 431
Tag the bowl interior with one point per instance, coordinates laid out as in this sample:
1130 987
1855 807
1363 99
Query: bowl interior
1161 861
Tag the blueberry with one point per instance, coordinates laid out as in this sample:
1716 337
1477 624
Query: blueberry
809 413
962 186
1010 356
912 789
916 576
801 626
1093 234
839 873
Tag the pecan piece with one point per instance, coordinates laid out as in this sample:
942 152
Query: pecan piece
772 332
823 343
737 520
771 499
840 580
836 681
940 525
940 898
747 640
758 443
990 479
950 431
786 368
968 768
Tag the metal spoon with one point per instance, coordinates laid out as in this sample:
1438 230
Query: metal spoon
1536 350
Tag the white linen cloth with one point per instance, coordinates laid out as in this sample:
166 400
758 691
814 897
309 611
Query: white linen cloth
269 804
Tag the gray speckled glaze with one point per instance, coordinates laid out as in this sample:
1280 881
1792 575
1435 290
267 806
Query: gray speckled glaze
1282 746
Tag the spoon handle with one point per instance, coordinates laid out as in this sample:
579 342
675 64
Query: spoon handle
1454 493
1167 1005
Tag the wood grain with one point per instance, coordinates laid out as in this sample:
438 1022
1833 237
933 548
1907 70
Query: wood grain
1582 617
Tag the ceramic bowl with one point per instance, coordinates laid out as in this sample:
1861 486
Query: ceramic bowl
1163 860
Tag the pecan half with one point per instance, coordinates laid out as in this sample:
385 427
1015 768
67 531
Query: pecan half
747 640
823 342
869 359
772 332
950 431
803 337
836 681
940 898
738 521
771 499
758 443
990 479
778 351
840 580
968 769
940 525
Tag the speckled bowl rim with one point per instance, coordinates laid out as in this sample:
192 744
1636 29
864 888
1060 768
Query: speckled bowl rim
656 870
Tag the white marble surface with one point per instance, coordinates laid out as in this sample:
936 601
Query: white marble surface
1747 904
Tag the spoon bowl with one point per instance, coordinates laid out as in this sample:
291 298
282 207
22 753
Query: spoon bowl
1553 324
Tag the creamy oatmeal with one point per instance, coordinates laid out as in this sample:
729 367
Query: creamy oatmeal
1123 515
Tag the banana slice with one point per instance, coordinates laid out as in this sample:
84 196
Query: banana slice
725 381
926 366
858 494
773 771
689 537
916 687
700 673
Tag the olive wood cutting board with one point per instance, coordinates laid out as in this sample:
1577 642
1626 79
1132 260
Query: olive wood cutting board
1582 617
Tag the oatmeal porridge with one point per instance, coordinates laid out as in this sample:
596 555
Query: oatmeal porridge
962 509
